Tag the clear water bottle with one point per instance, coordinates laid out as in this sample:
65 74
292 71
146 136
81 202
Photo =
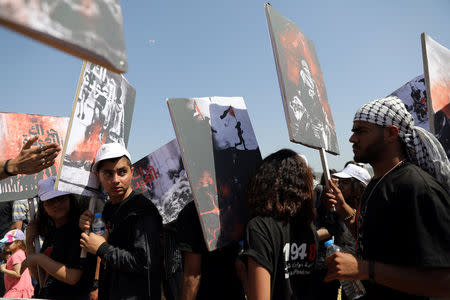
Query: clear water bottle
354 289
98 226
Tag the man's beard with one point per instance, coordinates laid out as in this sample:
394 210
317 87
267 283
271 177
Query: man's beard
372 152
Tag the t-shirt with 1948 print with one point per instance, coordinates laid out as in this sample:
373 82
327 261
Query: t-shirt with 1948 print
288 250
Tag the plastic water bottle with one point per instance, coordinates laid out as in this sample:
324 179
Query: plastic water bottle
98 226
354 289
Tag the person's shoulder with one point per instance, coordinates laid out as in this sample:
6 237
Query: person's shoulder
417 177
263 224
412 179
142 206
18 255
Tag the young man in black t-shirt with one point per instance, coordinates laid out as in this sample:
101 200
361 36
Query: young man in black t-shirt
402 230
130 250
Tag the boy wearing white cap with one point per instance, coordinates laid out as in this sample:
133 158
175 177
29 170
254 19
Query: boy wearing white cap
130 253
403 232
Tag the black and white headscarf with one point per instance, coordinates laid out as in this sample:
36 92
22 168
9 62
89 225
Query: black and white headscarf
423 148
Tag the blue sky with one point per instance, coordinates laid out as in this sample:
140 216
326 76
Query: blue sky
366 49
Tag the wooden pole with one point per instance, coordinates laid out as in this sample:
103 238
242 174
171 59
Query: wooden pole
91 209
326 170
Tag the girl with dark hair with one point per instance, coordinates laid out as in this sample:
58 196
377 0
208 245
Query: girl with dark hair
66 275
280 240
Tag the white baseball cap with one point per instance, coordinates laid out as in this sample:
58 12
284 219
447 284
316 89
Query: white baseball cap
354 171
108 151
46 190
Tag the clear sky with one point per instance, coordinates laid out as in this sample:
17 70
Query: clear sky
201 48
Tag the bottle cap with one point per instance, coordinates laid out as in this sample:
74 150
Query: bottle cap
328 243
98 215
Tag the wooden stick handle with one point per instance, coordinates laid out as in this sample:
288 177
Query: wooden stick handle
91 209
326 171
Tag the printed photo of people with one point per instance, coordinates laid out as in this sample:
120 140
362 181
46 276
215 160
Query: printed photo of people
303 88
102 114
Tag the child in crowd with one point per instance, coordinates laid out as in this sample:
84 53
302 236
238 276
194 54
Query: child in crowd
17 285
66 275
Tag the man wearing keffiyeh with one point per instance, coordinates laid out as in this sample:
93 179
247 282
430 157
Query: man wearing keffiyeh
403 223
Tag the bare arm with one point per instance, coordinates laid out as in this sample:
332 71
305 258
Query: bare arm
93 295
430 282
323 234
29 160
191 276
17 225
15 272
31 234
258 281
54 268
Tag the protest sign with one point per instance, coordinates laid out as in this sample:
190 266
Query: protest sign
414 95
102 113
91 30
302 86
15 130
162 178
220 153
436 62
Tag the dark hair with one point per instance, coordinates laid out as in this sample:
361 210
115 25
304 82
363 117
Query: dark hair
357 188
351 162
282 188
322 178
45 223
115 159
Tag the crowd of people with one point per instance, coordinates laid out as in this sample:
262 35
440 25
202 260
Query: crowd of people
393 228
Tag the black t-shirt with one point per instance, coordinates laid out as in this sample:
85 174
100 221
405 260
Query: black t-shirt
404 221
218 277
63 245
5 217
288 250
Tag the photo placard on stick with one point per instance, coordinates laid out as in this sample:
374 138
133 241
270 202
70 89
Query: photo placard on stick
15 130
220 153
414 95
91 30
305 100
102 113
436 63
162 178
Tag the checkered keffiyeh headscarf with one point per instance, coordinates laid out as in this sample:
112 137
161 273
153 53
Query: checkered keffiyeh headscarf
423 148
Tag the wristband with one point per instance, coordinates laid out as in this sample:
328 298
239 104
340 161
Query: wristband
5 169
351 216
94 285
372 271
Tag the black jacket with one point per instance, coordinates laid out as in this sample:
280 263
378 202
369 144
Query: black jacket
131 258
